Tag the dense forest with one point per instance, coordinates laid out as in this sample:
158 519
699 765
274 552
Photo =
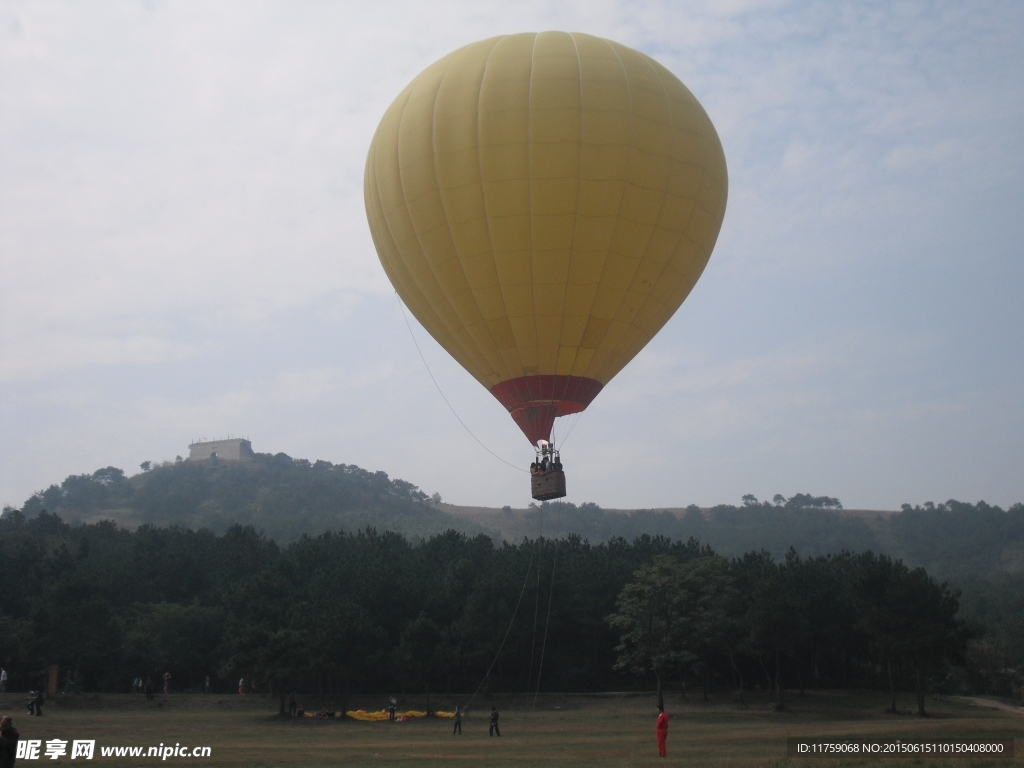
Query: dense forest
353 612
779 595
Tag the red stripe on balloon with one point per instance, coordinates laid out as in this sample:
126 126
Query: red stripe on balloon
535 401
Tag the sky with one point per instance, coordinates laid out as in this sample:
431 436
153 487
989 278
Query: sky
184 252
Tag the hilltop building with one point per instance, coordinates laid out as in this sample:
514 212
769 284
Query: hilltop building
235 449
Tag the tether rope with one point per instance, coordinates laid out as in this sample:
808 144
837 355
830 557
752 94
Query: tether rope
515 613
536 602
547 621
429 373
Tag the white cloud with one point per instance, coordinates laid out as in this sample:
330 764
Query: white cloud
184 249
39 355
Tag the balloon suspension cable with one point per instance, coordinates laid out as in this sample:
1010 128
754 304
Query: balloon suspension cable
547 621
536 607
565 437
487 674
536 600
456 415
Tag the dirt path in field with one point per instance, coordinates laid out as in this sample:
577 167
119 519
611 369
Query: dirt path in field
995 705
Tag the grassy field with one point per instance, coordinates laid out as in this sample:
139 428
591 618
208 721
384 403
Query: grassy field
595 731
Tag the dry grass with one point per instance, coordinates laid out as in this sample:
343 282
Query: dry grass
563 730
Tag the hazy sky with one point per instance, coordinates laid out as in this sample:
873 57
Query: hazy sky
184 252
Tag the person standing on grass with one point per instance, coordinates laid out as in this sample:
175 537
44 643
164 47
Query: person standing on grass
167 682
8 742
3 680
458 721
392 705
661 729
494 723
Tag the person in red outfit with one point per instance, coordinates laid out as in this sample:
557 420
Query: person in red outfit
662 730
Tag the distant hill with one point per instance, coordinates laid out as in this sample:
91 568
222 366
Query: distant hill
286 498
281 496
954 540
729 530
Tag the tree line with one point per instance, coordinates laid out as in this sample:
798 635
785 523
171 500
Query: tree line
841 620
367 612
287 498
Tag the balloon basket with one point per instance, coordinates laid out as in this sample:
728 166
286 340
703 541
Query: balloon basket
548 485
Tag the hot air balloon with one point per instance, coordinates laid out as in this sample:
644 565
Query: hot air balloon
543 204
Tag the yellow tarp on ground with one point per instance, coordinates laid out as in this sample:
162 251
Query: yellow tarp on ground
361 714
382 714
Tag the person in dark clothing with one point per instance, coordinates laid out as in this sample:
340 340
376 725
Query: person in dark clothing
293 706
148 687
8 742
35 703
458 721
494 723
392 705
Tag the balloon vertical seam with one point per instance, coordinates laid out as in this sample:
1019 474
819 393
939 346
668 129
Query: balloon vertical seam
661 272
589 373
452 332
628 183
529 197
483 195
444 209
452 340
575 221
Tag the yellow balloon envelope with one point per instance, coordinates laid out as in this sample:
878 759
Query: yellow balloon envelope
543 203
